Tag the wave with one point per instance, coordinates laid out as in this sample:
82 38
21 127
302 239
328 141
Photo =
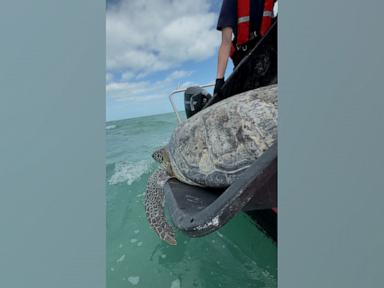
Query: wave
110 127
129 172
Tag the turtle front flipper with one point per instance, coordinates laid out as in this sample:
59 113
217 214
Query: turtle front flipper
154 206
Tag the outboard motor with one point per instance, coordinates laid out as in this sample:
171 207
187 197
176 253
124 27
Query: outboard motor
194 100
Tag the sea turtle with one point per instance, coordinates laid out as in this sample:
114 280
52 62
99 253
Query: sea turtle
213 148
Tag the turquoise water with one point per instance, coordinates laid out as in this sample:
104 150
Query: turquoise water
238 255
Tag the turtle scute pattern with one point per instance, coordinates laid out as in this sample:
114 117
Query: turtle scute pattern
217 144
212 148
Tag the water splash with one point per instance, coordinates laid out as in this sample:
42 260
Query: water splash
129 172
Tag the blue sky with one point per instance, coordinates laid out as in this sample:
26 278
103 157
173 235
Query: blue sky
152 47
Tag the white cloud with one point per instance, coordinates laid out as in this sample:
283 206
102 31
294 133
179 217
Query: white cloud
145 36
127 90
109 77
178 74
138 91
127 75
130 88
188 84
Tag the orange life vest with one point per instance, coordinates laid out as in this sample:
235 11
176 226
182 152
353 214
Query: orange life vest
243 21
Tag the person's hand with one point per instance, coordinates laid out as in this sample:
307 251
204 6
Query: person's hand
218 85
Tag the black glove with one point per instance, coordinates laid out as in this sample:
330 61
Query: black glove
219 83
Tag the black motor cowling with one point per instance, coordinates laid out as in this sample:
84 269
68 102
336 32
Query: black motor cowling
194 100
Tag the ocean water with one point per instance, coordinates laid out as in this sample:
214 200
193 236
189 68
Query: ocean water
237 255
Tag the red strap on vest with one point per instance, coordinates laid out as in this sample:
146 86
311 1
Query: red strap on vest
267 16
243 9
243 21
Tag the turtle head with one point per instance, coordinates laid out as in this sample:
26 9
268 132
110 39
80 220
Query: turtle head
160 156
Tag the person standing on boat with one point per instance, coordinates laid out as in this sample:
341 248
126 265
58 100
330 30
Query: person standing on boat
247 21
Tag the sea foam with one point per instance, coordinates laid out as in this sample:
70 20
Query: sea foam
175 283
121 259
129 172
134 280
